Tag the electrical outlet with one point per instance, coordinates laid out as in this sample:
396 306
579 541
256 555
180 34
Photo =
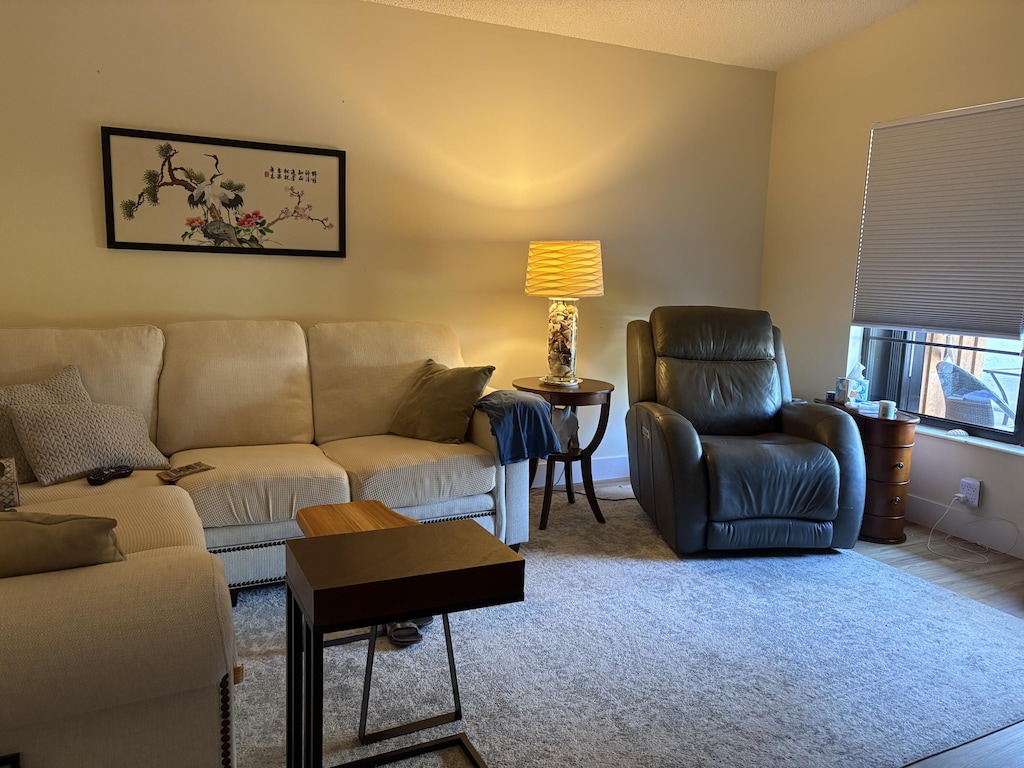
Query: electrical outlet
971 490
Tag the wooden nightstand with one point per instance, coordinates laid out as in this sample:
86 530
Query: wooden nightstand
888 445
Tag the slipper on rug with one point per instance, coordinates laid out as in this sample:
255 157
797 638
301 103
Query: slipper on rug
423 621
403 633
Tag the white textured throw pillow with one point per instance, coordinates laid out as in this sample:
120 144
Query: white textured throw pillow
66 442
63 387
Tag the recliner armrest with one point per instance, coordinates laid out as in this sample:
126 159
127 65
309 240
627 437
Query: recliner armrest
667 473
675 433
837 430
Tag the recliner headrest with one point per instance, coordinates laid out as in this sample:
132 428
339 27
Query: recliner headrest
712 333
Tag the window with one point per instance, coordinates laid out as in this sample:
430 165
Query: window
939 297
953 381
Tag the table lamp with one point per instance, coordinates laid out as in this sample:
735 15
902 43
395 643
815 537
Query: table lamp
563 271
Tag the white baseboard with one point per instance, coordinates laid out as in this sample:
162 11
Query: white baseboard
996 533
606 468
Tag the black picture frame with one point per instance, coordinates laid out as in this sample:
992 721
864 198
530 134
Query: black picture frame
179 192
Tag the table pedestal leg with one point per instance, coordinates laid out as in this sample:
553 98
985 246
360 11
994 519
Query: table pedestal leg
588 485
548 482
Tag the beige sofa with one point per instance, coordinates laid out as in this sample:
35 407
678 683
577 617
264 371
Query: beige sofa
289 418
128 663
123 663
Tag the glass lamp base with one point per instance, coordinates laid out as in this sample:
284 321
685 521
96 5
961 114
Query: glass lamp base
563 317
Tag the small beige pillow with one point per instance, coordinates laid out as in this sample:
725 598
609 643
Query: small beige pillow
66 442
64 386
440 404
34 542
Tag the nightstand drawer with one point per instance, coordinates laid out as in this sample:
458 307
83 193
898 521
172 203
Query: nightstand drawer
885 499
888 432
882 530
890 465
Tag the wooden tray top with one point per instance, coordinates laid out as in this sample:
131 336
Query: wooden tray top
351 517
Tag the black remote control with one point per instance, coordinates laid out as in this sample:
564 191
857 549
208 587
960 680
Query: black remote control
100 476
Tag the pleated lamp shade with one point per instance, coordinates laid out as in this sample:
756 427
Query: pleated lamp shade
565 269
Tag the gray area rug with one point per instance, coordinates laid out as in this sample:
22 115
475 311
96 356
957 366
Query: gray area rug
625 655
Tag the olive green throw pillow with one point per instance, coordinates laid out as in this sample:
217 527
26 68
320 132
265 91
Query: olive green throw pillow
440 404
34 542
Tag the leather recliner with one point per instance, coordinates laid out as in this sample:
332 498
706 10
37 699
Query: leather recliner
720 456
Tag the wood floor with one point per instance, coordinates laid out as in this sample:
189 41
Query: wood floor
998 583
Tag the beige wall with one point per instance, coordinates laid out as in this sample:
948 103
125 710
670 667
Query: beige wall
464 142
935 55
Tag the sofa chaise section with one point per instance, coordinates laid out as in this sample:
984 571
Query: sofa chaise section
121 663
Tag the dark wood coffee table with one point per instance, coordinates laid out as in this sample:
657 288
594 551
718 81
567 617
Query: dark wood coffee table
366 578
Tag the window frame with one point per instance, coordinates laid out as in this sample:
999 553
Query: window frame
898 375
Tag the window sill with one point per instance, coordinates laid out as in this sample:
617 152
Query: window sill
979 442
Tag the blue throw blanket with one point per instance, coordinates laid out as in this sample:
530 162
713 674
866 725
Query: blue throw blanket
521 424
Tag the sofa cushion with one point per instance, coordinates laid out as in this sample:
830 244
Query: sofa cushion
62 387
770 476
440 403
34 542
120 366
36 493
66 442
234 382
362 371
147 518
404 472
257 483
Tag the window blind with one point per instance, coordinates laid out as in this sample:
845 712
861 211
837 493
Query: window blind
942 227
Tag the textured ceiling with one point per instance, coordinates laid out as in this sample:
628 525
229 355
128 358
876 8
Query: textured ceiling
762 34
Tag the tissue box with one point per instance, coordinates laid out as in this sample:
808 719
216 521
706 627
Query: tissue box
851 390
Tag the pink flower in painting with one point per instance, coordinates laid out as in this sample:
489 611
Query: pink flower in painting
250 220
195 222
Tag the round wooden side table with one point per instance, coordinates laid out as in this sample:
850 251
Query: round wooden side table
587 392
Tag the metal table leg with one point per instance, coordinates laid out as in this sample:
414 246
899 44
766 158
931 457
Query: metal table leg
293 695
417 725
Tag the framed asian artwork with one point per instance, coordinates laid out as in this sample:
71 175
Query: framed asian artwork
175 192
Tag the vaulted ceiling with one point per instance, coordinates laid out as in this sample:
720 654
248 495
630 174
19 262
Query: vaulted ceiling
761 34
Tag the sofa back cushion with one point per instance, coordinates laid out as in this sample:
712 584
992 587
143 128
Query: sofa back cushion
234 382
118 366
361 372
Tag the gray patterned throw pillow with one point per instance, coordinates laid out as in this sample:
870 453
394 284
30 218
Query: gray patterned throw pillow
63 387
66 442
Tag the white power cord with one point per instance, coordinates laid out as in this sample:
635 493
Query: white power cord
955 542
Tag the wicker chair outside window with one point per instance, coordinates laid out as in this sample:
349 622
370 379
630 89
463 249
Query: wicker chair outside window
968 399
